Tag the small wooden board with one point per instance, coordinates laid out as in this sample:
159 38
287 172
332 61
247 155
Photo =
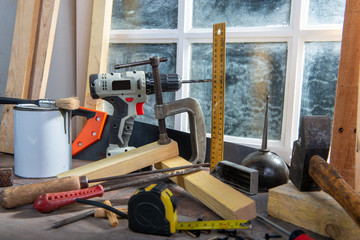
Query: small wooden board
224 200
22 51
315 211
125 162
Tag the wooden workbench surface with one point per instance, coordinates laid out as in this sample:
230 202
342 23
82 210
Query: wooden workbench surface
27 223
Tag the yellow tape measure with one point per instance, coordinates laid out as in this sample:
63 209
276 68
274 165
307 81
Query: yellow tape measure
218 95
208 225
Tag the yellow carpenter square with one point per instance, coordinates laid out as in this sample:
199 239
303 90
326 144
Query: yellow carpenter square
218 95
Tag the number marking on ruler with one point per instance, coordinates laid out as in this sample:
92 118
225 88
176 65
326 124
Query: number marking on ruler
218 95
219 224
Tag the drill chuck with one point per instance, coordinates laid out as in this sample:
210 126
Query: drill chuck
169 83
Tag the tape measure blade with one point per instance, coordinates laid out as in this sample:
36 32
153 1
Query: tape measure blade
218 94
209 225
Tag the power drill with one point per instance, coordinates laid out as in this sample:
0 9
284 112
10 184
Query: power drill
127 92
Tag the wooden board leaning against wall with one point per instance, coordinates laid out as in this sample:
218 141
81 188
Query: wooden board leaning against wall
31 53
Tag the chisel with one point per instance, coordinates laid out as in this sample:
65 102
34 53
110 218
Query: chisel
27 194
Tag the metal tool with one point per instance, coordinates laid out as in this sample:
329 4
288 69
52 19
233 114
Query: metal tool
144 173
273 171
156 204
52 201
73 219
128 91
218 94
295 235
238 176
27 194
309 168
97 213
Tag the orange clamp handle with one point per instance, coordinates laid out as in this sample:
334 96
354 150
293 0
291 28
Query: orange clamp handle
91 132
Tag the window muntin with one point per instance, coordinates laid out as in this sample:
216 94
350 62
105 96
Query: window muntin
296 32
253 71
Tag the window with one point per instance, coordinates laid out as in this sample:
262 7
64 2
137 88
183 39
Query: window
288 49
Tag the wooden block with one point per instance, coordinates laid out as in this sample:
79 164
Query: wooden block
345 156
224 200
22 51
315 211
126 162
43 49
99 47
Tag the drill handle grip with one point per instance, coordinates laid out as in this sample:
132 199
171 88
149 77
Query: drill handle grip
51 201
120 124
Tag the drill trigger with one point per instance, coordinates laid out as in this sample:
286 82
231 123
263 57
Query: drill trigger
140 108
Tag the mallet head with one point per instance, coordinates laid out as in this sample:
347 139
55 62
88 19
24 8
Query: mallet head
314 139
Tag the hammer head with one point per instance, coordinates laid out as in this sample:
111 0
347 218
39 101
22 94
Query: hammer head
314 139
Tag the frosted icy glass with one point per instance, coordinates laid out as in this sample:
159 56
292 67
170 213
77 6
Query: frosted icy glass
320 77
241 13
126 53
144 14
326 12
253 70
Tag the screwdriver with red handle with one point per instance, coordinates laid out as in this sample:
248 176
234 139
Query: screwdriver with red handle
51 201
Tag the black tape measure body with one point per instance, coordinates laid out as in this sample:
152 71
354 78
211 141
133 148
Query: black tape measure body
152 210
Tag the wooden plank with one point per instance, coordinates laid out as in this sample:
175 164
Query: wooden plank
315 211
43 49
224 200
22 51
344 147
126 162
99 47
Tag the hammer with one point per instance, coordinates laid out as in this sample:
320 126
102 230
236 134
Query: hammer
309 170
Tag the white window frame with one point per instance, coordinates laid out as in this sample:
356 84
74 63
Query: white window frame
296 35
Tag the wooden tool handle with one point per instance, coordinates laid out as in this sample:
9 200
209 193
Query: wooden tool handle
110 215
100 212
332 183
27 194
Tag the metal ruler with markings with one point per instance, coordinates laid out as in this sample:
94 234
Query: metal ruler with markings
218 95
219 224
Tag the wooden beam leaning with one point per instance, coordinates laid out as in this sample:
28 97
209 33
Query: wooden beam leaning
224 200
99 47
126 162
345 155
22 52
43 49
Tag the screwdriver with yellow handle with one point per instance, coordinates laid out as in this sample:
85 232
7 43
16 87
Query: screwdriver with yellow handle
13 197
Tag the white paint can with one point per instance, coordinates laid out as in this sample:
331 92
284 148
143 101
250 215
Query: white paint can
42 141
